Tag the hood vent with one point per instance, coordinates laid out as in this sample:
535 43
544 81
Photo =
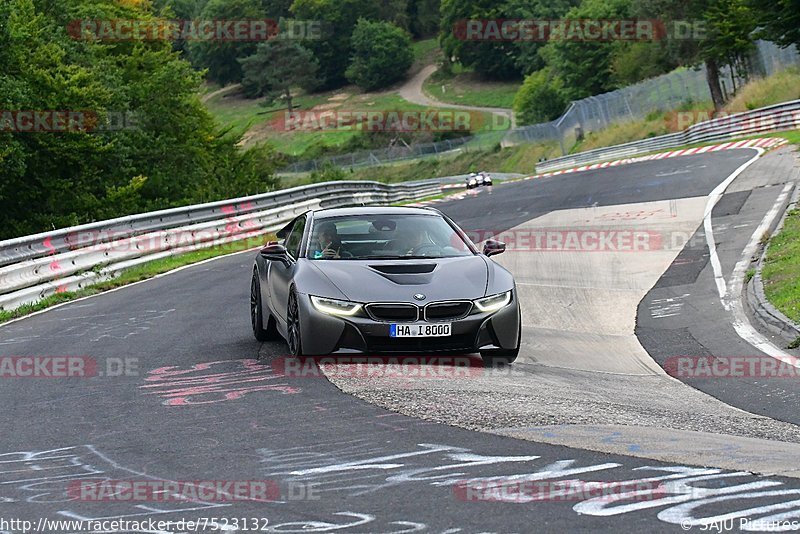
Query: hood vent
410 268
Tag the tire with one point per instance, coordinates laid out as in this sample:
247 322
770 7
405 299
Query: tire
257 314
498 358
294 337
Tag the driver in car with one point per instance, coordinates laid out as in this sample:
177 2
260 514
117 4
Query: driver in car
329 246
415 237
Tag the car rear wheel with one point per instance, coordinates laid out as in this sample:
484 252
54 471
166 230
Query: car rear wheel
293 337
257 314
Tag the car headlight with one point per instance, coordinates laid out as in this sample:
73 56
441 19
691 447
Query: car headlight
494 302
335 307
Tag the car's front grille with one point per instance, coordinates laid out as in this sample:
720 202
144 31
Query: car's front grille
393 312
444 311
433 312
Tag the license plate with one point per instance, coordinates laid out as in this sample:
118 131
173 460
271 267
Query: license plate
419 330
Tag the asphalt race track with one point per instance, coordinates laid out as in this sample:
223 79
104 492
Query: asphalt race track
182 392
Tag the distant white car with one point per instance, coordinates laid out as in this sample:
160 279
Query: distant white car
487 178
474 180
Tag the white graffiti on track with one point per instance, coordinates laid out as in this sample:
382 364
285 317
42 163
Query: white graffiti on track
43 478
358 520
359 467
682 495
212 382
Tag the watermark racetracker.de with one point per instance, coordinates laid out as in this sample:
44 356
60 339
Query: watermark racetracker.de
149 490
216 30
66 366
372 120
67 121
750 366
586 30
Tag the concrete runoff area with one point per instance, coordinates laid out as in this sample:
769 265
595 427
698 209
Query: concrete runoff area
579 306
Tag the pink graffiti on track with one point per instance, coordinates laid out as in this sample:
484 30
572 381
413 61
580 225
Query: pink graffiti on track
213 382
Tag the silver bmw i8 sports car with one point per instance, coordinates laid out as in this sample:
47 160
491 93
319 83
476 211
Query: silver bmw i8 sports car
384 279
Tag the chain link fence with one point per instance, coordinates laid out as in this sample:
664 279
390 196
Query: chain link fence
662 93
591 114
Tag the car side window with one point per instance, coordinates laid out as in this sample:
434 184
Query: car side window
295 238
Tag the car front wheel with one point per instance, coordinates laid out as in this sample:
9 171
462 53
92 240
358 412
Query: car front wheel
293 337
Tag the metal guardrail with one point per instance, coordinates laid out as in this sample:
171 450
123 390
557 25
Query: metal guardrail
784 116
33 267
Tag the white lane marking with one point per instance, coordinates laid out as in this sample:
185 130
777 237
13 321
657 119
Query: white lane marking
733 303
713 198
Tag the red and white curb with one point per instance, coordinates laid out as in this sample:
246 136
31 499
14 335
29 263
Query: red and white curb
765 143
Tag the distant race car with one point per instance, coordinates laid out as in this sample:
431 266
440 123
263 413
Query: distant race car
474 180
384 279
487 178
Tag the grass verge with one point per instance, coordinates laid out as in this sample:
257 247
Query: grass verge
135 274
467 88
781 270
258 124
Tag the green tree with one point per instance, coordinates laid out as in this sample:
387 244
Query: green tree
180 9
492 59
170 152
219 57
730 26
540 98
333 50
277 67
424 17
381 55
632 62
724 36
277 9
778 20
526 56
585 65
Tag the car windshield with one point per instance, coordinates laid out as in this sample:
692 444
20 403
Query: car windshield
362 237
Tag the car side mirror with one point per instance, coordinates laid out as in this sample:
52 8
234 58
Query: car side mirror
492 247
275 252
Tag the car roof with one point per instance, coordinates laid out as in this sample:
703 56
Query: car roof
373 210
